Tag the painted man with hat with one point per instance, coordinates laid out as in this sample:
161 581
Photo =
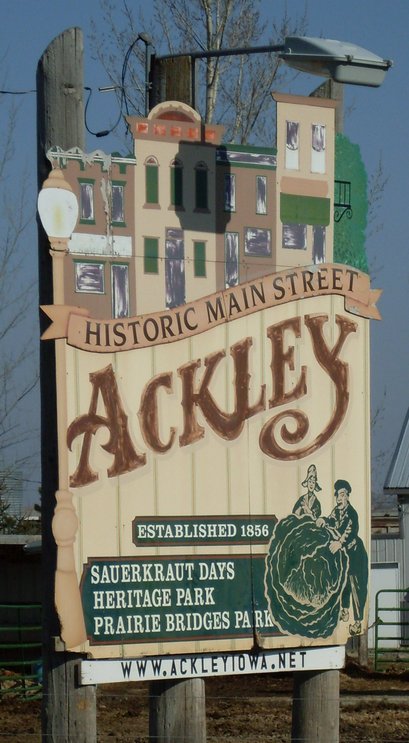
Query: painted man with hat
345 526
308 504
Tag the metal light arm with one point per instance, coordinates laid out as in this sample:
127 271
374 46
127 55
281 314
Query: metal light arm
341 61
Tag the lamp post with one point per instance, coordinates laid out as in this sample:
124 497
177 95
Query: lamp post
58 211
341 61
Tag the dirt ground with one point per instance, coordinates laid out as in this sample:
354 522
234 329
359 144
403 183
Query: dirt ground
246 709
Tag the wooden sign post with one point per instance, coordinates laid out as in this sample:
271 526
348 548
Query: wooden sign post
315 710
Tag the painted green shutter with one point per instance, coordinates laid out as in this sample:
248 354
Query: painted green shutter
152 184
199 259
151 252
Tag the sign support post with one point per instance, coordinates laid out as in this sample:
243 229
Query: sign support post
315 710
69 710
177 711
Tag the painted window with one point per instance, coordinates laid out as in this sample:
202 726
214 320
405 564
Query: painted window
174 267
151 255
257 242
318 137
229 192
318 244
176 184
295 236
87 200
120 289
151 181
292 146
201 186
231 259
261 194
118 203
89 277
199 259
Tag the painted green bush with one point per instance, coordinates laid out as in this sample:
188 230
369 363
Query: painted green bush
349 233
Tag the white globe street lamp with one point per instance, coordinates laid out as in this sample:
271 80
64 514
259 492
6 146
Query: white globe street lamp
58 209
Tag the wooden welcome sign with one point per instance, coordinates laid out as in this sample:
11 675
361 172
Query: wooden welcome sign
216 457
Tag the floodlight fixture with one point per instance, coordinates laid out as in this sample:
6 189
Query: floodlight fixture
340 60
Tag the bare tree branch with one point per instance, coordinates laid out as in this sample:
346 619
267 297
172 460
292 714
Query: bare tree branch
233 90
17 365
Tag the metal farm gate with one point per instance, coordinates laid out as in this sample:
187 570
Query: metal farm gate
391 627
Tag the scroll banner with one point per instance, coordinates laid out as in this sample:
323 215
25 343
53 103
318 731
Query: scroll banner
193 318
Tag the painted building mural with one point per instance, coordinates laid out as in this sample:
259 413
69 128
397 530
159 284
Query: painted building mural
214 405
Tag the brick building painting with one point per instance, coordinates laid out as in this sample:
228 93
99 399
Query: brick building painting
186 215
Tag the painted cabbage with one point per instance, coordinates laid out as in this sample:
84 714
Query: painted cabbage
303 579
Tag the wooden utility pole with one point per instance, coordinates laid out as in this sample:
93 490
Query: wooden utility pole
69 710
315 713
335 91
171 80
177 709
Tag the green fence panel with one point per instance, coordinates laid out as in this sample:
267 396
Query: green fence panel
20 650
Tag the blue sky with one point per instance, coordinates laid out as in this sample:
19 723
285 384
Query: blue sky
376 119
